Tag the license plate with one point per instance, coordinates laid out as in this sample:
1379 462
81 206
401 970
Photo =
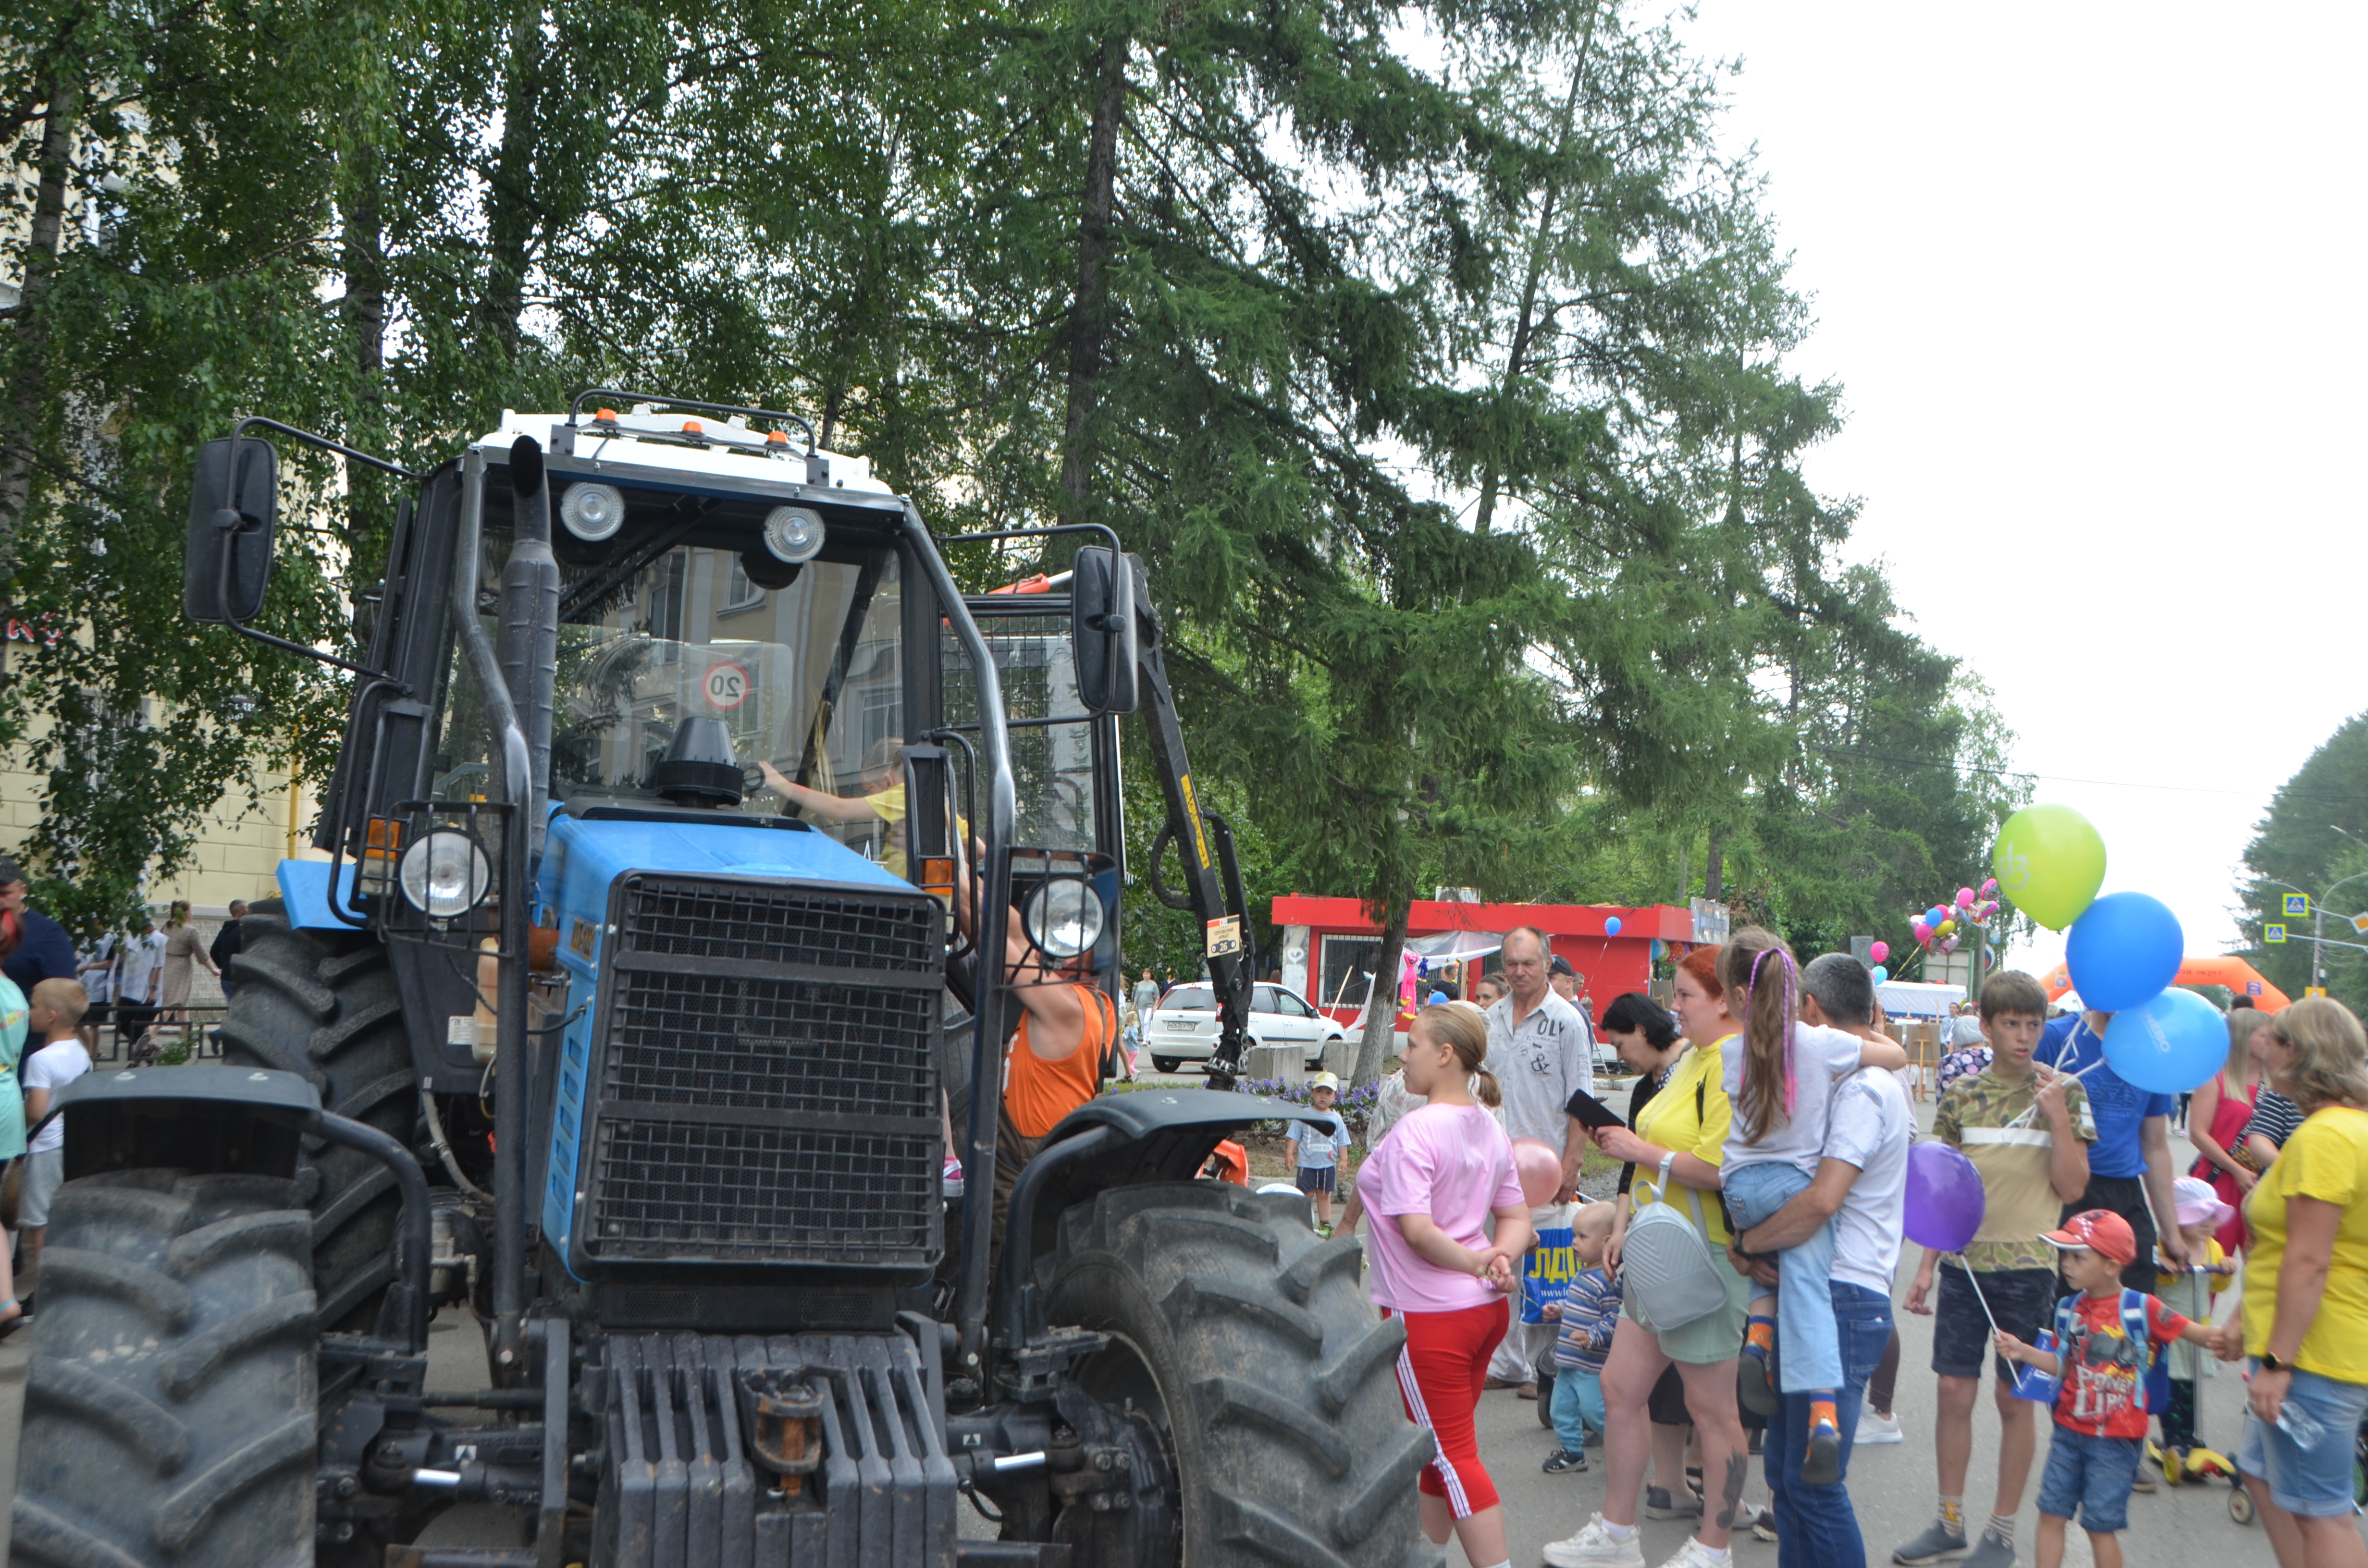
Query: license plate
1184 1025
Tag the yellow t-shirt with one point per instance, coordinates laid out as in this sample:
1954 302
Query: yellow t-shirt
888 805
1670 1121
2326 1159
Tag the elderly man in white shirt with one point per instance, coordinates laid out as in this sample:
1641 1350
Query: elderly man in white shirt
1542 1051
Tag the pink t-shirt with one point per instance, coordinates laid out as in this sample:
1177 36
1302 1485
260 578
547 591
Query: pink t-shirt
1454 1164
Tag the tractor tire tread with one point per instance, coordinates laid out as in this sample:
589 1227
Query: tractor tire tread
331 1013
156 1434
1275 1370
170 1408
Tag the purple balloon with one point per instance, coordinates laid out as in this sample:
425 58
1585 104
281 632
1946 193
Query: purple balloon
1944 1198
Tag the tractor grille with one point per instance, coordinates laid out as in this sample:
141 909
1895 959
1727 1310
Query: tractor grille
765 1090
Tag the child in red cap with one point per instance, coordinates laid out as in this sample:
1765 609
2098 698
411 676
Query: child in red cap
2100 1417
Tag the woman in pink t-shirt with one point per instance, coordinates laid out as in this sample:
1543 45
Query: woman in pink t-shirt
1430 1187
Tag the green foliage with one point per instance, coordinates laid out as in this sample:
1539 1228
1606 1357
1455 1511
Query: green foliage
1444 392
2304 843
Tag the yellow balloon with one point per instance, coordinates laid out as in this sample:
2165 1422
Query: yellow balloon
1948 925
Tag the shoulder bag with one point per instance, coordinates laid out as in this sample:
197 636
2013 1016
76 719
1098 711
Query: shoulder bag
1667 1277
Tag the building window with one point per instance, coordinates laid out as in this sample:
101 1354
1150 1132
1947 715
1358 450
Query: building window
1346 961
739 594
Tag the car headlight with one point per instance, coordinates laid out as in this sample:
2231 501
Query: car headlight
592 511
794 534
1064 917
445 874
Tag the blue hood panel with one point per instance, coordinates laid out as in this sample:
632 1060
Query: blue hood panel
581 857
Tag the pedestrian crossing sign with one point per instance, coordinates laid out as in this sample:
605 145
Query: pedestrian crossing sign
2273 933
2297 907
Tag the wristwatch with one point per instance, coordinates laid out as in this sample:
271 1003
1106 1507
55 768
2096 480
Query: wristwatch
2270 1363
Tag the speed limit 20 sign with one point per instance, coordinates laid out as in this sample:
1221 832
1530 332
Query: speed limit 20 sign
727 686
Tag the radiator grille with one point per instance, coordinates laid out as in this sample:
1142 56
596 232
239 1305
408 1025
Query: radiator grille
746 1117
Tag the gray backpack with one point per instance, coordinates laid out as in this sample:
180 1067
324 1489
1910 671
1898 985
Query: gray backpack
1667 1277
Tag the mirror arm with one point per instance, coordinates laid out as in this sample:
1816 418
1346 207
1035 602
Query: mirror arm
228 520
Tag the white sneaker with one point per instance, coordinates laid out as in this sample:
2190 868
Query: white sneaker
1594 1547
1694 1554
1875 1430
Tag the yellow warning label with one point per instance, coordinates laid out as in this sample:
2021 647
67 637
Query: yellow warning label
1192 815
1225 936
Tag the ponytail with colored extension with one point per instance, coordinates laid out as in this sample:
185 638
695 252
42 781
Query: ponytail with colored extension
1758 967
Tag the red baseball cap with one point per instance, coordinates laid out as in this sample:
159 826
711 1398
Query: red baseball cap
2101 1230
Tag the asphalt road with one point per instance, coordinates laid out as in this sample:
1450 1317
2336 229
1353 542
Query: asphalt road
1894 1486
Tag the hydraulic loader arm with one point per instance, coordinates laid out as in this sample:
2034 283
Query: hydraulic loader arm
1212 876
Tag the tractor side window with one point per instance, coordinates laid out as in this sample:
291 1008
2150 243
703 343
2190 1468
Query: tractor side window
1052 734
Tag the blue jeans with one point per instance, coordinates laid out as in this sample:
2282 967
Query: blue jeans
1578 1405
1815 1527
1811 1362
2090 1477
2314 1481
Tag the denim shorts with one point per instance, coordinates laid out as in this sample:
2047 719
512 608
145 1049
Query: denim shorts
2091 1477
2314 1481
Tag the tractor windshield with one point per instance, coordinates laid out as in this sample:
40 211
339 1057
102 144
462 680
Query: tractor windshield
806 675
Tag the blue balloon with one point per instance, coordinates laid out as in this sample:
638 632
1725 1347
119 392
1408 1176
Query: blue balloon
1437 997
2124 948
1612 926
1881 975
2169 1045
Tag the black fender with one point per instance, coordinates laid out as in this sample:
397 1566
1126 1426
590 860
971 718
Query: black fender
1127 1140
235 1121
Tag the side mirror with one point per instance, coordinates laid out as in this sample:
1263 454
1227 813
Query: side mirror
234 507
1101 630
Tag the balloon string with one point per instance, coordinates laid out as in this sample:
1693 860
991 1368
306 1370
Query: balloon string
2024 1119
1972 1280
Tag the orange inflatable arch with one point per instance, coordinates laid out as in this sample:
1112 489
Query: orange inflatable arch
2234 973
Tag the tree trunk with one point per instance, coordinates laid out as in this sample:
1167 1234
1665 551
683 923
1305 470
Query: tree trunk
1525 326
29 394
1089 317
1713 870
1373 1051
510 196
364 307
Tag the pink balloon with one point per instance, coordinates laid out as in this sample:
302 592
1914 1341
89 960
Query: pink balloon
1989 887
1965 898
1879 951
1949 945
1923 932
1540 1169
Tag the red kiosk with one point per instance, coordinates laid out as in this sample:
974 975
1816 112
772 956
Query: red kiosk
1328 945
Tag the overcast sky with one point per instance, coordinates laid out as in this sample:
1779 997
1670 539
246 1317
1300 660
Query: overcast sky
2091 277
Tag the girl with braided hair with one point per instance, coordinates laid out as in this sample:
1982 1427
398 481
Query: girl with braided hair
1781 1083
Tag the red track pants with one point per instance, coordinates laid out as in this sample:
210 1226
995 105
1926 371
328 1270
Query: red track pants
1440 1376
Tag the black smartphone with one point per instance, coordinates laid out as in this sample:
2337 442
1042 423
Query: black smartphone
1593 1113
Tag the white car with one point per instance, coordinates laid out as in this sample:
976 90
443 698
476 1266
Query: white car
1183 1027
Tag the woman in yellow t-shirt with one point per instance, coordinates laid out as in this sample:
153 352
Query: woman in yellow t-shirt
2305 1313
1678 1142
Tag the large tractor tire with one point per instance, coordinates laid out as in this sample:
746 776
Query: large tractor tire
323 1005
1270 1377
169 1402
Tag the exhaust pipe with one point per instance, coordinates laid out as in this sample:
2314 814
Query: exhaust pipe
529 626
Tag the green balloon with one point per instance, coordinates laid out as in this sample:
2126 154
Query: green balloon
2049 861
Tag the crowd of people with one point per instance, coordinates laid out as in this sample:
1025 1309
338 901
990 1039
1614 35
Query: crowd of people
1741 1272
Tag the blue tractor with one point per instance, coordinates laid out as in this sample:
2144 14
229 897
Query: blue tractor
662 931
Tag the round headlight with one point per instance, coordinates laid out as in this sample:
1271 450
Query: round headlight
1064 917
592 511
445 874
794 534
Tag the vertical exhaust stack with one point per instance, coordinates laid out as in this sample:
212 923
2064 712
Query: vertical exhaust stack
530 625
